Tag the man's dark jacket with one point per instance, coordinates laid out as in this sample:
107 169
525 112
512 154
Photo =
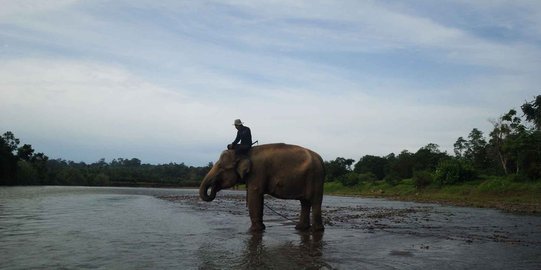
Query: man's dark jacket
244 136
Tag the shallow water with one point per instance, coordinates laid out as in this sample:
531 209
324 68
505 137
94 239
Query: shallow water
140 228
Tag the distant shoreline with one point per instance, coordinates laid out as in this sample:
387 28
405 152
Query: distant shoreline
148 185
524 208
516 198
521 199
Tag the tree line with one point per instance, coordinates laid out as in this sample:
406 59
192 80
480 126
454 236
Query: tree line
512 148
20 165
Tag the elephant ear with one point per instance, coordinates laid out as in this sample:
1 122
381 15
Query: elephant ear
227 159
243 167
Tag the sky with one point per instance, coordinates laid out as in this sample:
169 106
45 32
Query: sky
163 81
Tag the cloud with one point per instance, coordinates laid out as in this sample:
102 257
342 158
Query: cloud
94 103
235 27
365 27
99 105
12 9
165 80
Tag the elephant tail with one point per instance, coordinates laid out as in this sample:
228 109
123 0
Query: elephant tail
322 163
324 169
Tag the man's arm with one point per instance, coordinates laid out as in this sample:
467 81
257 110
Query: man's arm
237 139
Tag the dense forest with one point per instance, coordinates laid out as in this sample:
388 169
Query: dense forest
512 148
20 165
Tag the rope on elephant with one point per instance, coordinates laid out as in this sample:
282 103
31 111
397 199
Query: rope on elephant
277 212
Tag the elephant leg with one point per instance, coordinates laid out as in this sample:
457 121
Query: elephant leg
304 222
255 208
317 220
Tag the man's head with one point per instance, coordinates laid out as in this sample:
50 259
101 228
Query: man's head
237 123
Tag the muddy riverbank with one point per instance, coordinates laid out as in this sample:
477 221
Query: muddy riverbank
367 216
370 233
491 202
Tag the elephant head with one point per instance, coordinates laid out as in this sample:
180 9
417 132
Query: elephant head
225 173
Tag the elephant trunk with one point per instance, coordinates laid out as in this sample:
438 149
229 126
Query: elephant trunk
203 189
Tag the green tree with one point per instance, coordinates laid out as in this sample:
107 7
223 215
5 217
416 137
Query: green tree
508 139
532 111
39 162
428 157
8 160
453 171
402 165
53 169
372 164
531 145
531 157
71 176
26 173
460 147
25 152
134 162
337 168
476 149
9 140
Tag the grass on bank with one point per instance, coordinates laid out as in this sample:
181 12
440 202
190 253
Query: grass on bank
495 192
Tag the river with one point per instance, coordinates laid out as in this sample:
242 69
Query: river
149 228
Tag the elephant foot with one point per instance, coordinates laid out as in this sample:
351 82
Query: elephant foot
302 227
257 227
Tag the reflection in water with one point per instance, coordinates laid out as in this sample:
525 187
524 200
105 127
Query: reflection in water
254 251
260 251
304 254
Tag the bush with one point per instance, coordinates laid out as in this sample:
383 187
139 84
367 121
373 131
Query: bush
422 179
453 171
350 179
333 186
495 184
392 179
367 177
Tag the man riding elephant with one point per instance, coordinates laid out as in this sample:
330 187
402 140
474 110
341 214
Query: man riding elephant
280 170
243 142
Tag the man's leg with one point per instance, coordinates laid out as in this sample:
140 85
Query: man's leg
242 150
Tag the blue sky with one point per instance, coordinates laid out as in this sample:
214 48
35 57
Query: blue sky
163 82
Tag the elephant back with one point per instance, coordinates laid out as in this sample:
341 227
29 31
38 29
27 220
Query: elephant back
294 157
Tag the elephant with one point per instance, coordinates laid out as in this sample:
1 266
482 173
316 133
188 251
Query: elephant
281 170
